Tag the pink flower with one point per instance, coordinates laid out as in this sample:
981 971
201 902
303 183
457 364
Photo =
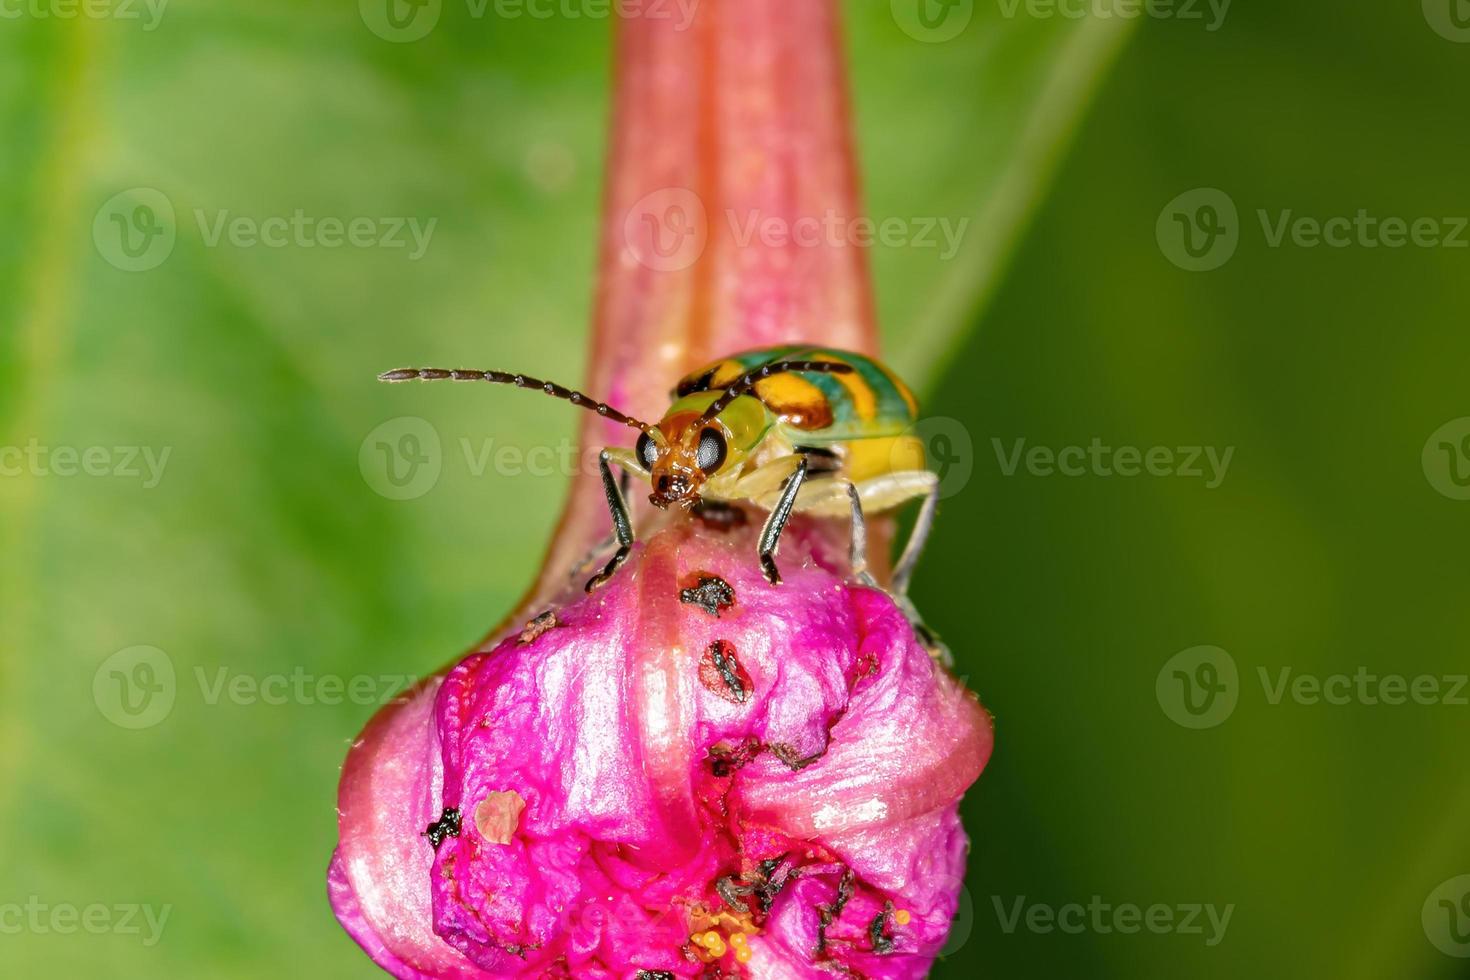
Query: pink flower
688 771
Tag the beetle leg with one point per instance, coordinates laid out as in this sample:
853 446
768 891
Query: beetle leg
611 538
930 640
771 534
857 555
904 570
622 523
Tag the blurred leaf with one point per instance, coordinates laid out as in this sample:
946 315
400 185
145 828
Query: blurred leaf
1324 550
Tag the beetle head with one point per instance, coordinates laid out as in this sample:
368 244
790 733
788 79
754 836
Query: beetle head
680 454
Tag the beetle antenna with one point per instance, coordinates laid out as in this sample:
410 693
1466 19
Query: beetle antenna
743 384
520 381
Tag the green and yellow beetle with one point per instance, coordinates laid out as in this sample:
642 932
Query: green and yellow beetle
810 429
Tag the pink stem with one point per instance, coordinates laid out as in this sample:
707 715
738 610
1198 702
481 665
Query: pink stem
731 183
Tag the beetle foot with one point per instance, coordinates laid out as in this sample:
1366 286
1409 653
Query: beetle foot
768 569
614 563
928 638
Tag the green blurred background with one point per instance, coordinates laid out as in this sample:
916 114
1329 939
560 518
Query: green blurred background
1332 543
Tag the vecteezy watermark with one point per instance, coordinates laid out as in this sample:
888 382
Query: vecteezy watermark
148 12
299 687
946 448
1362 230
118 462
301 230
135 687
402 21
1446 459
137 230
403 458
1212 12
40 917
1363 687
1200 230
832 229
1200 687
668 230
1450 19
932 21
1446 917
138 687
1125 918
1208 463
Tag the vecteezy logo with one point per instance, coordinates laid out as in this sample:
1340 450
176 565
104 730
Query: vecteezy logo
400 21
946 448
1446 917
1198 687
666 230
135 687
1450 19
932 21
1446 459
135 230
1198 230
402 458
963 923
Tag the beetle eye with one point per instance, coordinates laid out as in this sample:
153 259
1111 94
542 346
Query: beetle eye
647 451
711 453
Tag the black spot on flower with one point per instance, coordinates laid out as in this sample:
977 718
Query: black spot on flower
446 826
878 930
827 914
720 672
710 593
791 760
725 759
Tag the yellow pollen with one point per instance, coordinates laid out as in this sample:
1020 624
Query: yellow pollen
902 917
742 954
738 939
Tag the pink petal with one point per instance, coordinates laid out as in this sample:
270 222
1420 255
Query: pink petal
859 747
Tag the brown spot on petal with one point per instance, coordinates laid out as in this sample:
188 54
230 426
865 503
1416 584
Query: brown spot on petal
541 624
787 755
710 593
725 759
720 672
827 914
498 815
878 930
730 891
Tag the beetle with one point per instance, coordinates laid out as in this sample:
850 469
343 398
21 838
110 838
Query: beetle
795 428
